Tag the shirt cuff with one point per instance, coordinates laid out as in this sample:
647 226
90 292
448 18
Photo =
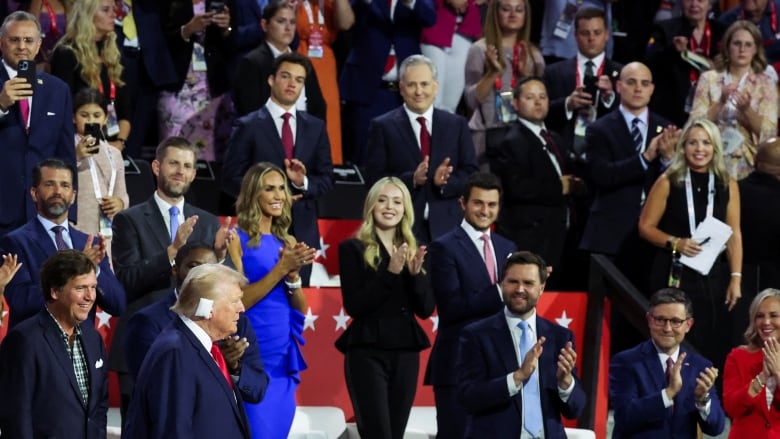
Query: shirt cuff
510 385
564 394
642 161
566 110
667 402
704 412
305 186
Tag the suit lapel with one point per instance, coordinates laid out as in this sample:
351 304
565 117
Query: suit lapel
156 223
654 128
503 342
42 239
95 362
652 365
403 126
270 135
471 254
302 133
57 346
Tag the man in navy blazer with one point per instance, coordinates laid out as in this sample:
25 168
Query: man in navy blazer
184 389
386 33
620 173
36 241
257 137
395 147
504 390
53 376
651 402
48 132
241 352
464 291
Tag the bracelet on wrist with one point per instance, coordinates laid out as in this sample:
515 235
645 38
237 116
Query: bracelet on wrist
291 286
736 274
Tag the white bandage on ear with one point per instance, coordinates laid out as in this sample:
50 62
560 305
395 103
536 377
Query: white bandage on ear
204 308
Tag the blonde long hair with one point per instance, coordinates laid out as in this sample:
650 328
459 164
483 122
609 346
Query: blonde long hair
248 211
80 38
679 168
403 231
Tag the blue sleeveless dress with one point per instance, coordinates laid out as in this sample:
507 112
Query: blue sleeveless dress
279 330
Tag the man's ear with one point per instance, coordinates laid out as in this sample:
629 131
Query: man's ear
156 168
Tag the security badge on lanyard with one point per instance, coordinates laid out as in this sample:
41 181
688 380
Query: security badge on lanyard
315 30
566 20
105 223
112 124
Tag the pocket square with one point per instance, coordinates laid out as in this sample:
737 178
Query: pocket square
99 363
49 113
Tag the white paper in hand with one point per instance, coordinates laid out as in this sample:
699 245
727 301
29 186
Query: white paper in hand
713 234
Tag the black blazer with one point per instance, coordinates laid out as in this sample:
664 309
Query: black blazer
251 89
219 49
616 174
759 198
382 305
561 80
670 73
533 214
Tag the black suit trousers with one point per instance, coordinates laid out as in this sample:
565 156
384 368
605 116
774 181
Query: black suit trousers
382 385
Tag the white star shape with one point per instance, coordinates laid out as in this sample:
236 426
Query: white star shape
341 319
323 249
435 320
309 321
564 320
103 319
2 318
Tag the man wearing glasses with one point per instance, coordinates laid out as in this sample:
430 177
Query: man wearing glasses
36 118
659 388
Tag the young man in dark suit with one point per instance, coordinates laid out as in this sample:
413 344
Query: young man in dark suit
53 375
430 150
516 370
464 291
36 120
292 140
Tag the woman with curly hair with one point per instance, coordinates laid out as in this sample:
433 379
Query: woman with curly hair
87 56
495 64
384 286
270 258
739 97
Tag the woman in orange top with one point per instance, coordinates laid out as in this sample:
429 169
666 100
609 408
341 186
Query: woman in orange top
318 23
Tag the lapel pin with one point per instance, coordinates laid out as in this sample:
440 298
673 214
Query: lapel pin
40 81
658 129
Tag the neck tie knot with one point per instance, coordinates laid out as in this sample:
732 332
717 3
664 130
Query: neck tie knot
174 212
589 68
59 239
286 116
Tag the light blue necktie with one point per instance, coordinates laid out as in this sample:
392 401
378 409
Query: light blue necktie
174 212
532 403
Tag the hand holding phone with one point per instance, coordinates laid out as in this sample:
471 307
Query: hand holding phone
26 69
590 85
217 7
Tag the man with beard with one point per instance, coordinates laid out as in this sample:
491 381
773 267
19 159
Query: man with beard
52 192
515 362
148 236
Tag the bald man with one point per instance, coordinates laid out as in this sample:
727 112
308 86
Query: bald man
626 151
759 196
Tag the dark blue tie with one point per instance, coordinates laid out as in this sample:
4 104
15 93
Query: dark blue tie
59 240
636 135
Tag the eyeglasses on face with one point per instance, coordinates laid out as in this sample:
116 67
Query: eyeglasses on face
674 323
25 40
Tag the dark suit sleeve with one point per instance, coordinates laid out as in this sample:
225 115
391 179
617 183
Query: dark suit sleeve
632 411
111 296
99 418
423 14
239 157
477 391
253 380
522 175
605 172
455 303
17 384
420 294
320 171
556 116
169 398
138 275
466 165
140 333
358 280
23 293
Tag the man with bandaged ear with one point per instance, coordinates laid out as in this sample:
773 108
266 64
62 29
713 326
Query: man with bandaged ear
184 372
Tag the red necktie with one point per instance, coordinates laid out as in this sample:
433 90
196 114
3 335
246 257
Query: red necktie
425 138
217 354
287 136
550 143
490 261
24 107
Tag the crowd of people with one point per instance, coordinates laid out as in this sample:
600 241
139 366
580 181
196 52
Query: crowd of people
481 127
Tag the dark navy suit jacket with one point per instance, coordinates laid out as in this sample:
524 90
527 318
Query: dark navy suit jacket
255 139
33 245
41 397
180 392
51 135
616 174
636 380
146 324
463 294
485 358
393 149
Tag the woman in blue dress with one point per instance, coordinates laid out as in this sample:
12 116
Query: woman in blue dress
271 258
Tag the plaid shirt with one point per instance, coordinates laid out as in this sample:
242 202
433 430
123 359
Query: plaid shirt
76 354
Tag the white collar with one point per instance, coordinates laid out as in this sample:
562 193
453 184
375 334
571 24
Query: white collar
198 332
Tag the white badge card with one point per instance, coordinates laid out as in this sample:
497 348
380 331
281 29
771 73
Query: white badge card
566 21
112 125
506 112
315 44
198 58
732 140
105 226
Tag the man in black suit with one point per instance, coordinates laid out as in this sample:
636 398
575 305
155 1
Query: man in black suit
144 245
626 149
53 376
534 166
570 83
291 139
430 150
464 292
250 88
